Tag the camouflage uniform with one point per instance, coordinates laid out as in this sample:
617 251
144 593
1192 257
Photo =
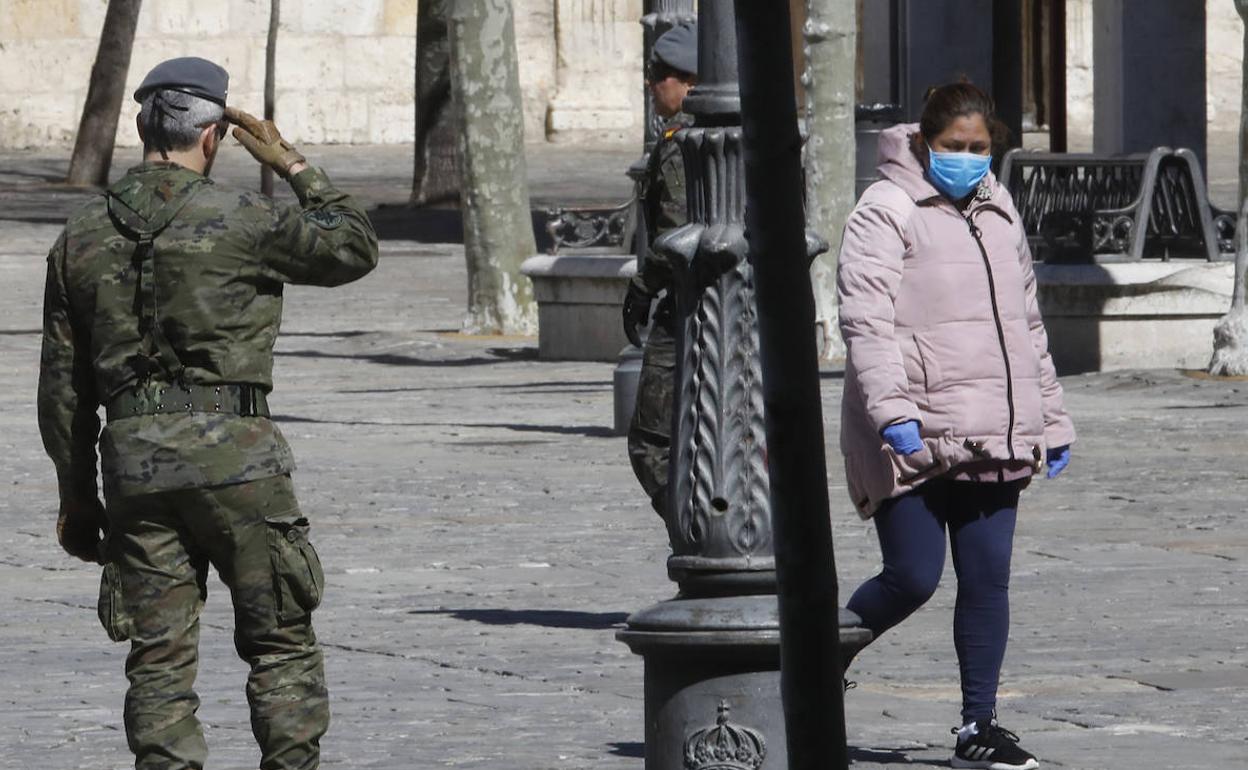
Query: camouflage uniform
664 207
173 334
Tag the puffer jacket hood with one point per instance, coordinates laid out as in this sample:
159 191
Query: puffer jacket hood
939 315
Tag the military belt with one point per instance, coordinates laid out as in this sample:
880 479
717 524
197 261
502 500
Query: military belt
163 398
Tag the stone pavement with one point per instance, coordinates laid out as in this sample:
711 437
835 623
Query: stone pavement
32 188
483 538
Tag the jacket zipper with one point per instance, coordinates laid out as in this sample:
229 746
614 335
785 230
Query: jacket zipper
996 317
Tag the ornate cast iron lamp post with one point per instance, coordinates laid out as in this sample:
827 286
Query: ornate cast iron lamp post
712 655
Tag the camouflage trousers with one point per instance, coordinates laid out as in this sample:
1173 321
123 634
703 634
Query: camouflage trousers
155 581
649 433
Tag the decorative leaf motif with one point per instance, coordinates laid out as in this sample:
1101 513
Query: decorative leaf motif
719 474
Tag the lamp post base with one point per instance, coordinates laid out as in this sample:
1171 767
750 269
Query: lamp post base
712 681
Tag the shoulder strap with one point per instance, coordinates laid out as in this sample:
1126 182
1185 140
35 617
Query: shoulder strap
160 354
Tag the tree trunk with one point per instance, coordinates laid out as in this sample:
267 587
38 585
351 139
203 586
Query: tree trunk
97 131
270 85
436 177
1242 7
831 57
494 191
1230 336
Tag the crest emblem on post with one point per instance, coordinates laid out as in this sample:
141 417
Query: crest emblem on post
724 746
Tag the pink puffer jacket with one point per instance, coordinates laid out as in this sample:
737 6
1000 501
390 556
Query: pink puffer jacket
939 315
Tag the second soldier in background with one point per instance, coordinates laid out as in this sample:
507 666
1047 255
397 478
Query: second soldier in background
671 73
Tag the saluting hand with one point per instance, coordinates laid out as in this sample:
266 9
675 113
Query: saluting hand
265 143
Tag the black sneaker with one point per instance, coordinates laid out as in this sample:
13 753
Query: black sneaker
992 748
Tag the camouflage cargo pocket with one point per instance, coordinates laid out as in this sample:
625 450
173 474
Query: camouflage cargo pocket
111 608
298 579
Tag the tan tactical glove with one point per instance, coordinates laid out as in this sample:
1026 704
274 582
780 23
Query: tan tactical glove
80 528
263 141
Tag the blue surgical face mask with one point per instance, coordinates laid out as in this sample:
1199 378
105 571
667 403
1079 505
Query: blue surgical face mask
956 174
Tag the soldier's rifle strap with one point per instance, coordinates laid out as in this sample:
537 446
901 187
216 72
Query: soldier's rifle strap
160 354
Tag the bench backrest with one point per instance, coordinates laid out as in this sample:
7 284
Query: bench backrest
1078 207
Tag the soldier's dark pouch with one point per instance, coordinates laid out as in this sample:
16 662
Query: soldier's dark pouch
298 579
111 609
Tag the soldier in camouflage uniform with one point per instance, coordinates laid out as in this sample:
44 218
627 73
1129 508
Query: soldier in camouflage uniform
163 301
673 67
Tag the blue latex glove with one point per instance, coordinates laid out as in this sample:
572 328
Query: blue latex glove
903 437
1058 459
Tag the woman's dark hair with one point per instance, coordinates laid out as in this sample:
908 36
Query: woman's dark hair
947 103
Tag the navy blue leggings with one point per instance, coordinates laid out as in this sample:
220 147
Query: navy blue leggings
980 518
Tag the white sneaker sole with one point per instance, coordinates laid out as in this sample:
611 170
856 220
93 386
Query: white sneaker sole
987 764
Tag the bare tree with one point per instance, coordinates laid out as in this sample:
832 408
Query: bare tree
494 192
1230 336
831 58
436 175
97 131
270 85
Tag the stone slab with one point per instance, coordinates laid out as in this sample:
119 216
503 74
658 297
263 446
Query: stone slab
580 297
1130 315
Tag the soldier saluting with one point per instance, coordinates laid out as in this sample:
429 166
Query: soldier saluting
163 301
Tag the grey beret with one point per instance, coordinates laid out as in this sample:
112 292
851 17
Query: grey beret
190 75
678 48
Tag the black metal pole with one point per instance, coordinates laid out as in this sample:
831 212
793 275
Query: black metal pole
776 231
1057 76
1007 65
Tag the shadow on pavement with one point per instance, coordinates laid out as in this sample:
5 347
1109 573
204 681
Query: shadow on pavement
588 431
633 749
881 756
571 386
498 356
439 224
545 618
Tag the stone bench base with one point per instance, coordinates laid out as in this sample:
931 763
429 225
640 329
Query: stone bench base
580 296
1099 316
1133 315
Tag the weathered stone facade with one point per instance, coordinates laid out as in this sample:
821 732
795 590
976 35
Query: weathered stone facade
345 67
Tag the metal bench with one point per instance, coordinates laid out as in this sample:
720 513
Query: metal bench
1087 207
590 227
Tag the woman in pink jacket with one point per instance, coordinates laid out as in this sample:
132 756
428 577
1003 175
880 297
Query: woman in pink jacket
951 401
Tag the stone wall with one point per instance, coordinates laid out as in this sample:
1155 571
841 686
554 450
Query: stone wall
345 67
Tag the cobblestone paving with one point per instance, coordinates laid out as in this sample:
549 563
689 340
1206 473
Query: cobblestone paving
483 538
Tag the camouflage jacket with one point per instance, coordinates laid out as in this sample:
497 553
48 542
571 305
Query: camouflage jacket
663 204
215 281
